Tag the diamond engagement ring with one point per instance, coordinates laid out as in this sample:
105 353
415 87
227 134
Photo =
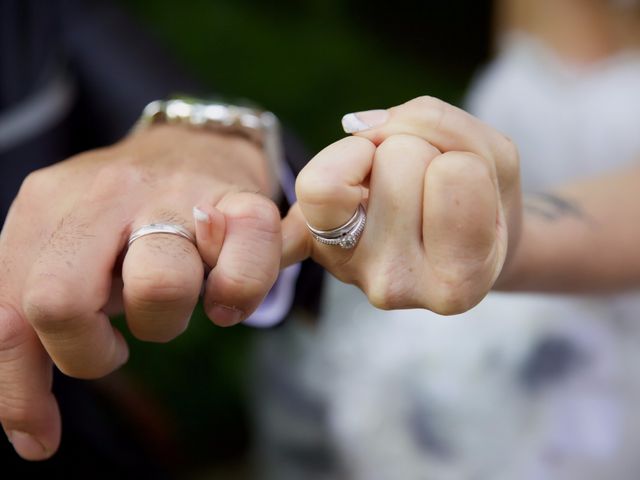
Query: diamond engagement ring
170 228
347 235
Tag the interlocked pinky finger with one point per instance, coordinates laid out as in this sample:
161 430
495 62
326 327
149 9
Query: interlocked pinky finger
210 230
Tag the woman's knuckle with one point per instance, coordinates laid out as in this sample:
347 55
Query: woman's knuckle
431 110
452 296
247 284
387 286
509 157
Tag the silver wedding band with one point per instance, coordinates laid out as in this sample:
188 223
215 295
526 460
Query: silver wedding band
345 236
169 228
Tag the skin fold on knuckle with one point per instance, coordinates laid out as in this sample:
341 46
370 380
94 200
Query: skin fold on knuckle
25 410
253 212
464 207
78 357
403 145
451 300
320 182
429 110
460 169
157 288
50 306
87 370
386 295
247 277
37 187
320 191
162 329
16 413
339 264
14 331
508 162
113 181
387 283
459 287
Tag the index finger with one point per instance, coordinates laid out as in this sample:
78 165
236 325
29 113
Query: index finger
331 186
28 410
444 126
67 289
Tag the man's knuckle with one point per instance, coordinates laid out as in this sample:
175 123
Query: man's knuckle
247 283
113 179
163 286
34 186
85 370
14 410
49 308
260 212
13 330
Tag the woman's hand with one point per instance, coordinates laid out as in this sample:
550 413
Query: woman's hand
442 195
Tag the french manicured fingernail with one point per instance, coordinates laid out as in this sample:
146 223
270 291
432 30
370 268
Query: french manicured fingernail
200 215
360 121
27 445
225 316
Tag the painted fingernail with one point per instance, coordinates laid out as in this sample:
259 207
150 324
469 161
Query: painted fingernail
225 316
360 121
200 215
27 445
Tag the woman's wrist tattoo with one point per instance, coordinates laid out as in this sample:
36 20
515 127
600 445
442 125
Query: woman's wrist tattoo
552 207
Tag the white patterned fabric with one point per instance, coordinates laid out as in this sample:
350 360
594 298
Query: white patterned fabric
526 387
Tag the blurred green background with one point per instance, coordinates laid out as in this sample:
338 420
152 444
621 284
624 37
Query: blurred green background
309 62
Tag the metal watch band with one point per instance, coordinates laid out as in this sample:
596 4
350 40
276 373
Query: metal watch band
261 127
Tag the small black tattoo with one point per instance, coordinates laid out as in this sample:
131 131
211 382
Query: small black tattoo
552 207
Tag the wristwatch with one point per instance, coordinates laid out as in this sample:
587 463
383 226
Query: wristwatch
259 126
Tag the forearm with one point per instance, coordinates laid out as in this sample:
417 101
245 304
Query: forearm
584 237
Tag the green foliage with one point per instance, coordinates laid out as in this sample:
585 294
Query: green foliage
308 61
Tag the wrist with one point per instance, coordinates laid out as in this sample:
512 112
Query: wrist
258 126
554 246
222 156
521 254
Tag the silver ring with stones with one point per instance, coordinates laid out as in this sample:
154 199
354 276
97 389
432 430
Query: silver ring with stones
346 236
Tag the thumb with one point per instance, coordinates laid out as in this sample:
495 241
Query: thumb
297 242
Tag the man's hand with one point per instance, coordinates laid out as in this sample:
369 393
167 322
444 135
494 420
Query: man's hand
442 193
65 266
